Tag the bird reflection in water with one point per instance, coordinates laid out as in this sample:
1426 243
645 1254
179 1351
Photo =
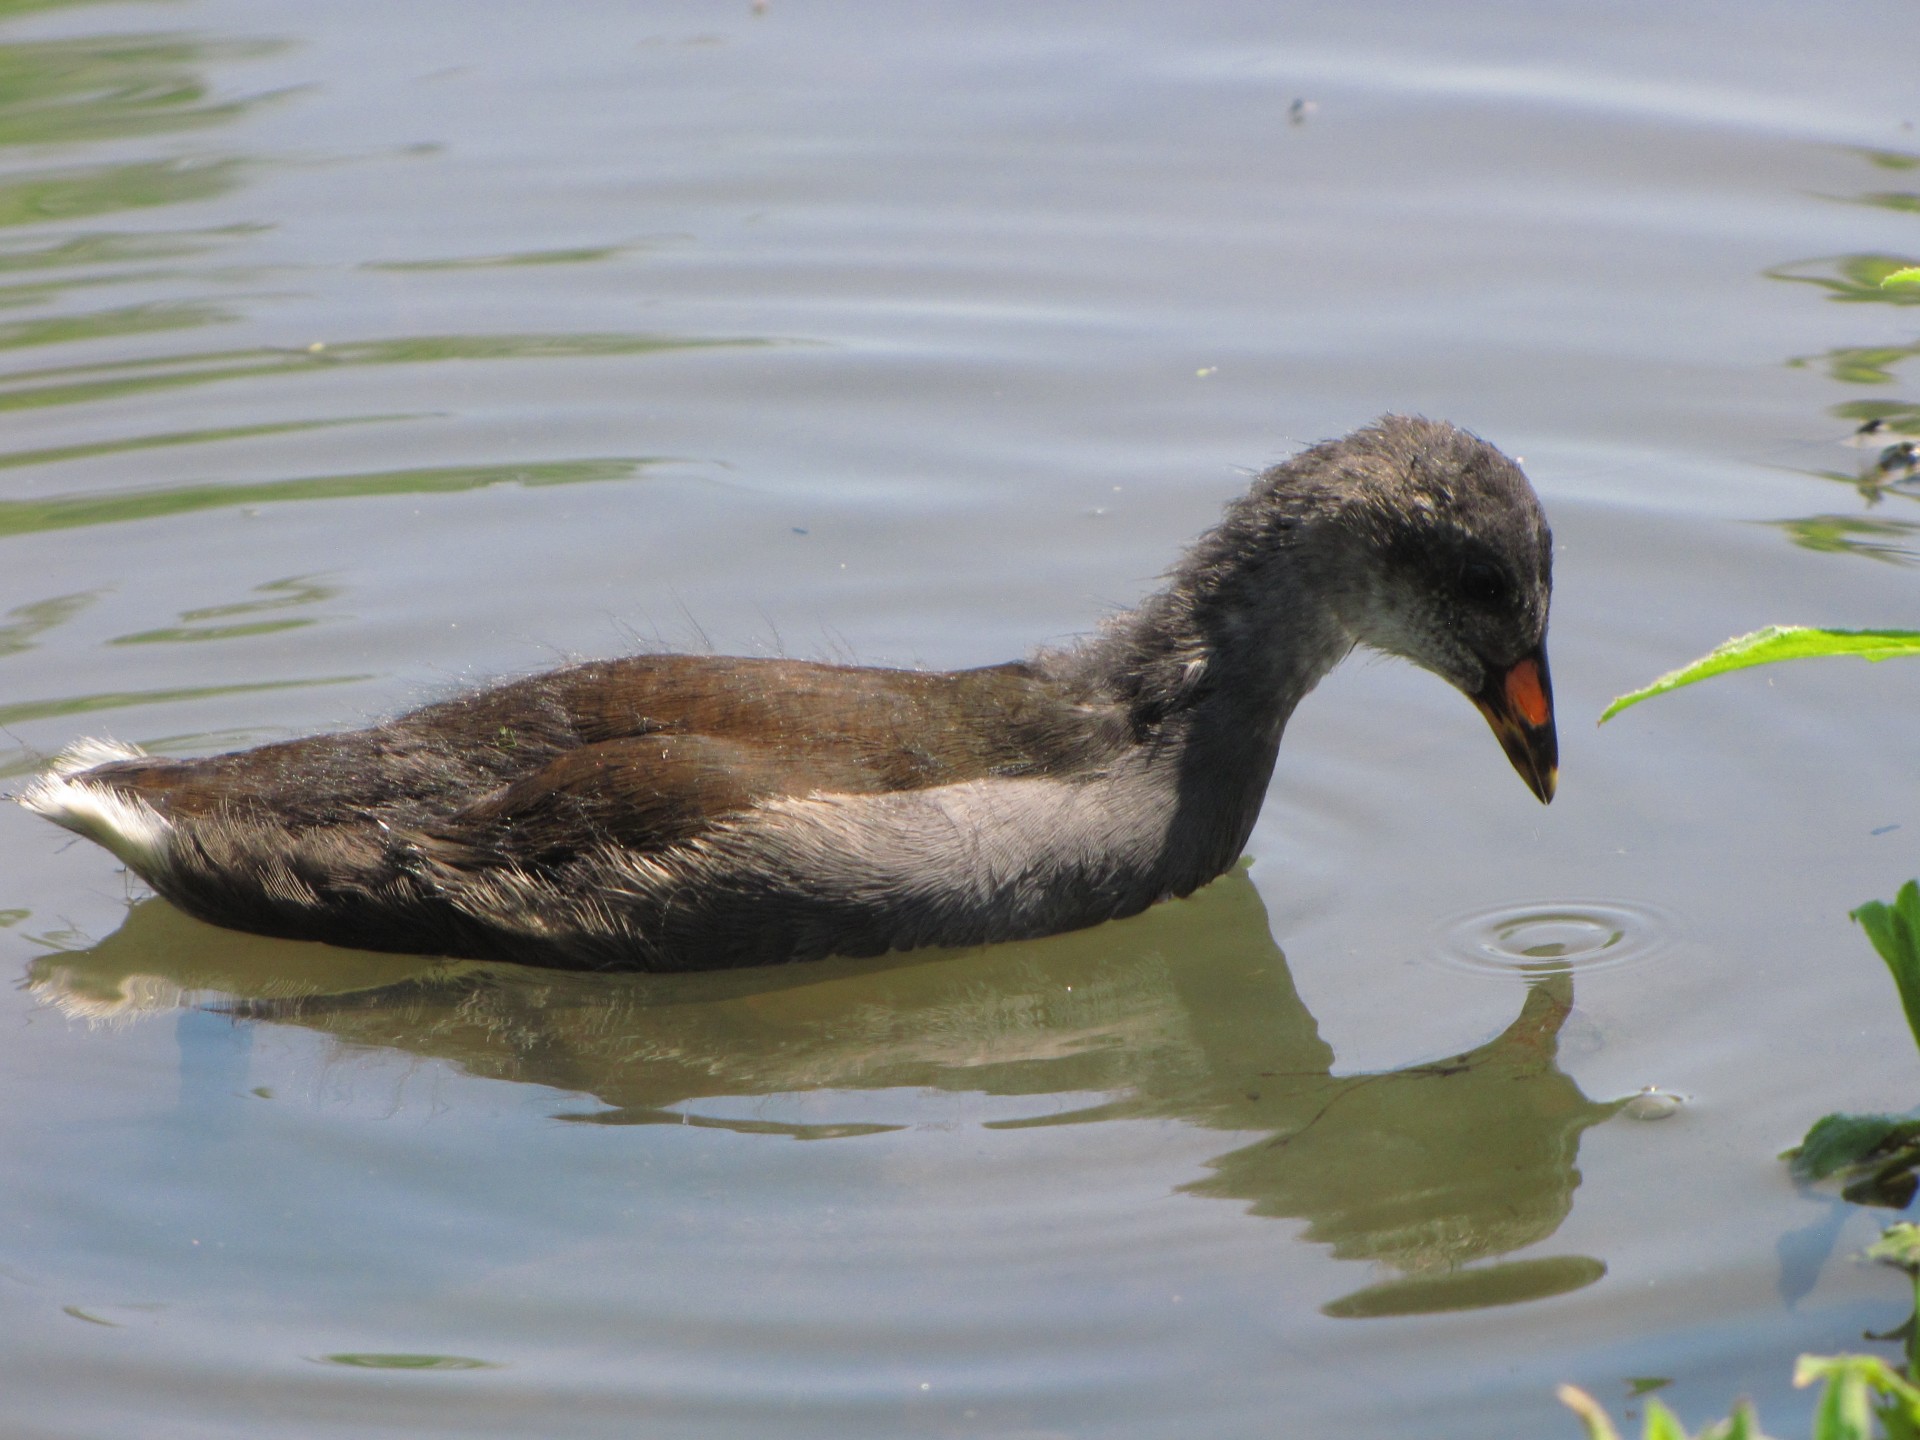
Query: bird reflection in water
1432 1171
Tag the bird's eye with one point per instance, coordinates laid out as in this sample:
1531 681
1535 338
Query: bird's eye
1483 584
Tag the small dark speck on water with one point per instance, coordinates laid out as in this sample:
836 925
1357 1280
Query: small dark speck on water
1884 829
798 531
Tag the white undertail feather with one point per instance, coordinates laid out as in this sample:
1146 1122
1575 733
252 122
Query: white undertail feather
132 829
85 754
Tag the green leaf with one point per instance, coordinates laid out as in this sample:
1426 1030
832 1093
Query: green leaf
1898 1246
1908 276
1895 932
1838 1141
1592 1417
1897 1422
1662 1424
1741 1425
1843 1412
1774 643
1900 1390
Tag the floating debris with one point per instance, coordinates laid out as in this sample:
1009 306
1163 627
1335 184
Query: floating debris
1902 459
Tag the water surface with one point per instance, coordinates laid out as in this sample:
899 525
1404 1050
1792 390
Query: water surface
350 355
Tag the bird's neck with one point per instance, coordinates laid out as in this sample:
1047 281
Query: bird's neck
1251 619
1209 668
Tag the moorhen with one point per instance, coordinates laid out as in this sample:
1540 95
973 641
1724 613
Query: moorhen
682 812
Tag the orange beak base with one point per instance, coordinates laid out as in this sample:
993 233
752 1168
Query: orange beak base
1518 704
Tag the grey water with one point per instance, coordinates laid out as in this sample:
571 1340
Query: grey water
352 354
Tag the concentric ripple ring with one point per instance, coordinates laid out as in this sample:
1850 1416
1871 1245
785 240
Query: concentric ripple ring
1556 938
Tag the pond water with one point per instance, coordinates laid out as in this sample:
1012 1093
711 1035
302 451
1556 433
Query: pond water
354 353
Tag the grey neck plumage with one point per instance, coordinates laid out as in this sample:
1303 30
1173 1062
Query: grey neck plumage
1209 668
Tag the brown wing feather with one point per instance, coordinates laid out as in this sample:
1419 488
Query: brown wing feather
644 793
914 727
642 748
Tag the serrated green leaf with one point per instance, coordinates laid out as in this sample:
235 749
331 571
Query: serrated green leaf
1908 276
1768 646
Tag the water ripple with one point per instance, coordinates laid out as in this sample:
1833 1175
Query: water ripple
1555 939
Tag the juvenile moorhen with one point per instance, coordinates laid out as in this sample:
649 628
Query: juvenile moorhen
683 812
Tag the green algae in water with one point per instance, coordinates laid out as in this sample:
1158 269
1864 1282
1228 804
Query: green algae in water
66 512
379 1360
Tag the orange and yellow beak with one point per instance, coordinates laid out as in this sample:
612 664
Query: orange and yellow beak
1518 704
